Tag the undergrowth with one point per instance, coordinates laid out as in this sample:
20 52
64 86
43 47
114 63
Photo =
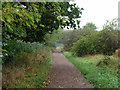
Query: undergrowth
28 67
101 71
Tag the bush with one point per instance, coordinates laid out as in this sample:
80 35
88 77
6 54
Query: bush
14 48
104 42
105 61
108 41
15 73
26 58
86 45
71 36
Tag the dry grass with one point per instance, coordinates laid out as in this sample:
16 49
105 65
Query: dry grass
26 58
117 52
44 55
15 71
11 76
112 63
95 57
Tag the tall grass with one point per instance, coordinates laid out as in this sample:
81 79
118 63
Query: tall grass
13 48
28 66
96 71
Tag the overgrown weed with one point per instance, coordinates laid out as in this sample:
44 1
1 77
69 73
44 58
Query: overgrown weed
104 75
26 67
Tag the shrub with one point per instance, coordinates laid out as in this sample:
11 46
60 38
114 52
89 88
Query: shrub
108 41
86 45
16 70
101 42
13 48
106 60
104 42
80 47
71 36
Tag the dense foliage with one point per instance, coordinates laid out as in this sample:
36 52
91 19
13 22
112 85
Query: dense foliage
29 33
15 47
35 22
27 65
71 36
30 21
105 42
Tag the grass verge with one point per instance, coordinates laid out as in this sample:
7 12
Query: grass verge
100 75
28 70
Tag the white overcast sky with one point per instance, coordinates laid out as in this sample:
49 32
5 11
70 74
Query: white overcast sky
98 11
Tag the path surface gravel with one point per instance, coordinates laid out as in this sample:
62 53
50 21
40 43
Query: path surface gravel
65 75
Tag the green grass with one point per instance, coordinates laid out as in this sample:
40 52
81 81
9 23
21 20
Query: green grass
100 76
28 74
25 65
35 80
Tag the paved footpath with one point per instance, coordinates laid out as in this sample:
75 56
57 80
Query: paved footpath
65 75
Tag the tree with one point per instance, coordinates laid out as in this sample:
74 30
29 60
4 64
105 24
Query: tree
110 36
71 36
31 21
105 41
52 39
90 25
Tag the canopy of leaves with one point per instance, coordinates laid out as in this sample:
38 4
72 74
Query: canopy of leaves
31 21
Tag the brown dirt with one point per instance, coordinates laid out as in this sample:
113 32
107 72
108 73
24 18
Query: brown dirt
65 75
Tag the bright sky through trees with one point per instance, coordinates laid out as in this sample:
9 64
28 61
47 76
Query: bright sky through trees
98 11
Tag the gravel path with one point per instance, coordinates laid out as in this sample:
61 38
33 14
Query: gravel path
65 75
